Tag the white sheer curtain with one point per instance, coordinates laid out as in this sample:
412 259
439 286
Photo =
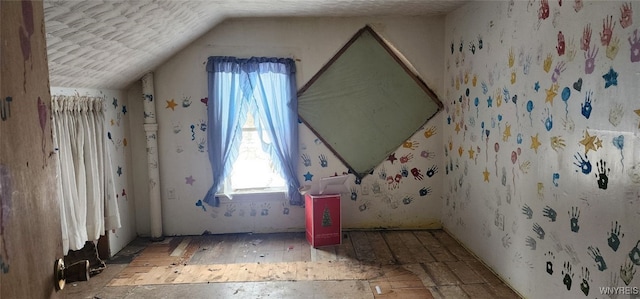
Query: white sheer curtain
85 175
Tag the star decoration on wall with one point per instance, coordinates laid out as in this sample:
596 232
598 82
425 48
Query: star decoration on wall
457 128
115 103
190 180
507 133
460 151
551 93
171 104
535 143
124 193
588 141
308 176
598 143
536 86
610 78
119 171
486 174
124 110
471 152
392 158
124 142
113 122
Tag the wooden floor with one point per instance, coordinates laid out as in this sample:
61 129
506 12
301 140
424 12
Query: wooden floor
368 264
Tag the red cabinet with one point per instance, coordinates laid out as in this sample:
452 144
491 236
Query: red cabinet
323 220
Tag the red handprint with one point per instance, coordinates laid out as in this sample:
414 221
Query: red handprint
635 46
417 174
607 30
589 63
406 158
543 11
585 41
626 15
561 44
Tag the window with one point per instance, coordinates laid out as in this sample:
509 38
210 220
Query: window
265 86
253 171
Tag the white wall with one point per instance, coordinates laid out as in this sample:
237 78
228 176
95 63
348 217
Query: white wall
498 171
312 42
117 121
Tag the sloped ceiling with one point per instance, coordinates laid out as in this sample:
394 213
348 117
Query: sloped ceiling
111 43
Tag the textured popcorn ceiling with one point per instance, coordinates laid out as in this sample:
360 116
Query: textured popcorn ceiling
109 44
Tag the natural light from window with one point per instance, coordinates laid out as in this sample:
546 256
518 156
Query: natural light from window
253 170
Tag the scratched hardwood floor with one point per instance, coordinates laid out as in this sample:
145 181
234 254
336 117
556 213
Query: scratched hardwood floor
368 264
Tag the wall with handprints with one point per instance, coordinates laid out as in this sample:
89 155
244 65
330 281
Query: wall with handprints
117 123
542 175
402 192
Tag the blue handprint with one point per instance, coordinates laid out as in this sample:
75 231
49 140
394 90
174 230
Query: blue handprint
323 160
586 106
582 163
425 191
485 88
538 230
403 171
354 193
530 242
575 215
603 179
597 257
432 171
549 213
306 160
614 236
527 211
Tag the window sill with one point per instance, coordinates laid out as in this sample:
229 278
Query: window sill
275 195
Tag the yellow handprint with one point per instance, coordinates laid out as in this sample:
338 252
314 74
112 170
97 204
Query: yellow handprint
410 144
457 83
511 57
524 166
466 77
557 143
513 77
498 96
612 49
547 62
474 81
430 132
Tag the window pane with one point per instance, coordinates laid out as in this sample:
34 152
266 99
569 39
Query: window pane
253 168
